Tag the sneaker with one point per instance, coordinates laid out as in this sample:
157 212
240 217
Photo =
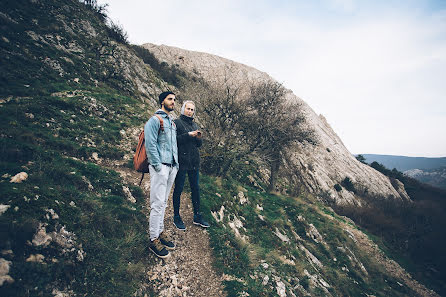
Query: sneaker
167 241
178 222
198 220
158 249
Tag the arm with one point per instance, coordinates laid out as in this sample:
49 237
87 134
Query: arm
151 129
198 140
182 135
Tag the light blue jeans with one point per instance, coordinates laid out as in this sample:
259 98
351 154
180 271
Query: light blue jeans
160 185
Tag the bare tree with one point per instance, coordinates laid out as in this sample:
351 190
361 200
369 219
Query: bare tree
271 124
240 120
220 110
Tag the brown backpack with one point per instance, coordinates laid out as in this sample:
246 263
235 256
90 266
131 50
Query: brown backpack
140 160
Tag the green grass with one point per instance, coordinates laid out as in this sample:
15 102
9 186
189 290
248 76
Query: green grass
109 229
52 146
242 260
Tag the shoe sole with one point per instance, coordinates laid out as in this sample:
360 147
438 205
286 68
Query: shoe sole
179 228
159 256
169 248
198 224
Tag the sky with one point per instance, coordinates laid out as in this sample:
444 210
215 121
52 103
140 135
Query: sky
376 70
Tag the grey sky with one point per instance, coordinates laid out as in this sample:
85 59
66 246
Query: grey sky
375 69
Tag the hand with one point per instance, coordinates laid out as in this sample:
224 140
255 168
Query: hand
157 167
194 133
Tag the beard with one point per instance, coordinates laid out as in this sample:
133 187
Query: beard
168 108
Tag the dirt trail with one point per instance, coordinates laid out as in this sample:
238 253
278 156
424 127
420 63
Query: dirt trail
188 271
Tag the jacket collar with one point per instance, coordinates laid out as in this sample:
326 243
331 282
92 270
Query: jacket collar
162 113
186 118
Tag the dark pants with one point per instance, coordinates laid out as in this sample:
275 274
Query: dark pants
195 189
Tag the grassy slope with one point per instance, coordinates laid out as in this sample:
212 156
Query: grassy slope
52 148
243 260
99 237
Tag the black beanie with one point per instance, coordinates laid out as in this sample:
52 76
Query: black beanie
163 96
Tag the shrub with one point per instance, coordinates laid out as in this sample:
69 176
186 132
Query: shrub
171 74
348 184
338 187
117 32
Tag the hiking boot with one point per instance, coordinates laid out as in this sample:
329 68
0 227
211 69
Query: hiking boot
158 249
167 241
178 222
198 220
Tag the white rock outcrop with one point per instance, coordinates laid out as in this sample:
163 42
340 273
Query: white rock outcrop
4 208
320 167
4 270
19 177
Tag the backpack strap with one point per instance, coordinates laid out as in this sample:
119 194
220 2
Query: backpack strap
161 122
161 129
140 181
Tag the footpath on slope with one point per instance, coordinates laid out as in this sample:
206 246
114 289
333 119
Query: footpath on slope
188 271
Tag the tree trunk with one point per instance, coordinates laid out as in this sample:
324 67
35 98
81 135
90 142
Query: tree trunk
274 167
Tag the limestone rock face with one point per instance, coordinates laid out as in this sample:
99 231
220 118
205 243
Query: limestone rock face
319 167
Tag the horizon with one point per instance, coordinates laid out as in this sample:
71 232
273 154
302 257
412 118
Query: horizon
373 69
400 156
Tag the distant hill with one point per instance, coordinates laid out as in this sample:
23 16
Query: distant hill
435 177
402 163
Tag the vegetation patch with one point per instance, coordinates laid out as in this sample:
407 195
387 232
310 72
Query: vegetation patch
262 241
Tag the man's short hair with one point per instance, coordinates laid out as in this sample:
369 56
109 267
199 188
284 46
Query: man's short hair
163 96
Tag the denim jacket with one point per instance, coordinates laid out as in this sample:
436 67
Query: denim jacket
161 146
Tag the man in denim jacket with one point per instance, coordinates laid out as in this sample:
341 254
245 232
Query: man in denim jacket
162 153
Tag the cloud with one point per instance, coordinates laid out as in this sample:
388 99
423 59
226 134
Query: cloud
373 69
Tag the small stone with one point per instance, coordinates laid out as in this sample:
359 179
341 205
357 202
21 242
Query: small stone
19 177
265 280
4 208
174 280
4 270
7 253
242 198
41 237
128 194
36 258
280 288
54 215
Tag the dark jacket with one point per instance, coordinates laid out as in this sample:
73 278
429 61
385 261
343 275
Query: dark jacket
188 154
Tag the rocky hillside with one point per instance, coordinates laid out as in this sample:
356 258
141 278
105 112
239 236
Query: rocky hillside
320 167
434 177
73 98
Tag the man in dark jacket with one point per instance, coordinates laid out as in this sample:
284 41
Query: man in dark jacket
188 140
